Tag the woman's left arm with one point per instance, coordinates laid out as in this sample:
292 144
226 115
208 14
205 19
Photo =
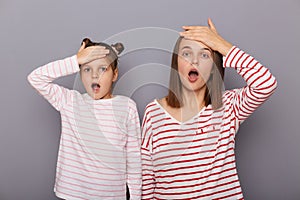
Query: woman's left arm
261 84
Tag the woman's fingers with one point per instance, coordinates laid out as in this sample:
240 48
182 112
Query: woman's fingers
196 33
208 35
211 25
191 27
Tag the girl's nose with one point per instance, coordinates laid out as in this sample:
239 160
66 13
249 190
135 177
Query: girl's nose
95 75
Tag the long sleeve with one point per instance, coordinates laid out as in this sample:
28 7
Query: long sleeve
133 146
148 178
42 77
260 83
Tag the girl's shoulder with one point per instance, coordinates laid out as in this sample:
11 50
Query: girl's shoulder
122 98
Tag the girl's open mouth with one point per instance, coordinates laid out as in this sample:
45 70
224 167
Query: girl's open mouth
95 87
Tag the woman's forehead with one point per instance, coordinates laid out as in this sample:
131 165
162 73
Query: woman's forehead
192 44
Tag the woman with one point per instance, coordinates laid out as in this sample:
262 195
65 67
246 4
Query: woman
189 135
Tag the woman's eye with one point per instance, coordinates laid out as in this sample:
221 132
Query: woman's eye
186 54
205 55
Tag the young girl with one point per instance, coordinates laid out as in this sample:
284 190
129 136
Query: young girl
99 150
188 136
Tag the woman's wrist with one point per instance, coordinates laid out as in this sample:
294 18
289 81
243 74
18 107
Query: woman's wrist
225 48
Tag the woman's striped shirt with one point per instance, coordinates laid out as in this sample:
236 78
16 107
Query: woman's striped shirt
196 159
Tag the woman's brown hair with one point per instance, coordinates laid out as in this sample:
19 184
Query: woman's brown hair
214 86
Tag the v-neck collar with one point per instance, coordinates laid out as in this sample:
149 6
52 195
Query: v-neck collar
177 121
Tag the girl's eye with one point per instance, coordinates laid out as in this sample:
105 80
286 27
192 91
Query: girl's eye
102 69
86 69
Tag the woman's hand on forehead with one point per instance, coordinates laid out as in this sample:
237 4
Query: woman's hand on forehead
208 35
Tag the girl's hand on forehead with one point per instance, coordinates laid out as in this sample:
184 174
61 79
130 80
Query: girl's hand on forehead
86 55
208 35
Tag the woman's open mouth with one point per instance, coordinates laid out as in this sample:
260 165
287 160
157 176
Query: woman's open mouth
193 75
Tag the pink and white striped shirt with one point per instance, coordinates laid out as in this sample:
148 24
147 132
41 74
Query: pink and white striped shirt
99 148
196 159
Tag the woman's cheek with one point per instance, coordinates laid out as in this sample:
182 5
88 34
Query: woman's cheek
205 72
182 64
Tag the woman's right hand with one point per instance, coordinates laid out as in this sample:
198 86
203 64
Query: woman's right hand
209 36
86 55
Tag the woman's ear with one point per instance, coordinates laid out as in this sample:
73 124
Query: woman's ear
116 74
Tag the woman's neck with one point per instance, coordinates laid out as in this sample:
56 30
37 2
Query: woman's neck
193 100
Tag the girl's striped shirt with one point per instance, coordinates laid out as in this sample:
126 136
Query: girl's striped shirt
99 149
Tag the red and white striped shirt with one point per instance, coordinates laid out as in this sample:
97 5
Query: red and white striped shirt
99 148
195 159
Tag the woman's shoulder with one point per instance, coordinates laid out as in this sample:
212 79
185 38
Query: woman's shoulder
156 103
162 102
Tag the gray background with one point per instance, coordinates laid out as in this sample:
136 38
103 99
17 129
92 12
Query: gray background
35 32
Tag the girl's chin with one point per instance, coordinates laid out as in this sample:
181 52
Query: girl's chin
98 97
95 96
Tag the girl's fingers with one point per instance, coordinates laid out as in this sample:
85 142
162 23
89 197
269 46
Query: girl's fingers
97 50
91 53
101 52
82 46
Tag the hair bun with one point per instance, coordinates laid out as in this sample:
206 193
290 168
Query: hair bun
119 47
86 41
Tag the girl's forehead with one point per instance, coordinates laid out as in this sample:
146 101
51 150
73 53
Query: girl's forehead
99 62
192 44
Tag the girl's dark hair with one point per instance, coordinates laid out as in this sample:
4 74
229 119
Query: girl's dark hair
213 93
114 50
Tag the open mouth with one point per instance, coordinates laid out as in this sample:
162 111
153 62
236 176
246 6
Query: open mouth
193 75
95 86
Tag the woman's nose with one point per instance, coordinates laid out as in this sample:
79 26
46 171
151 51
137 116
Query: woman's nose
195 60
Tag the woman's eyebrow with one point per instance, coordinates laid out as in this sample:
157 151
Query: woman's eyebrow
204 48
208 49
186 47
